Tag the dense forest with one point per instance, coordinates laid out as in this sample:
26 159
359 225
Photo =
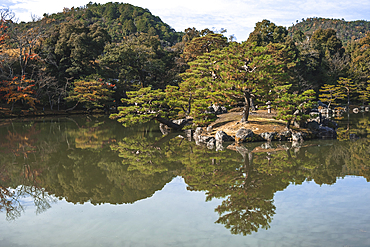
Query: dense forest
347 31
106 56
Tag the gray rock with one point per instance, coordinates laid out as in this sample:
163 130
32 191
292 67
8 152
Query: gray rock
268 136
243 135
181 122
285 135
297 137
313 125
210 109
328 122
204 139
314 114
223 137
198 131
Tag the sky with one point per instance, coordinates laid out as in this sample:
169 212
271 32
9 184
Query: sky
238 17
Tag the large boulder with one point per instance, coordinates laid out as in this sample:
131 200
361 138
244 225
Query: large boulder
223 137
243 135
313 125
329 123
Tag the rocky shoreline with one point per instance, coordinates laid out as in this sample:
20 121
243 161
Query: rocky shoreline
261 128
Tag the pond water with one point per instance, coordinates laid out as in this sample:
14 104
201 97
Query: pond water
88 181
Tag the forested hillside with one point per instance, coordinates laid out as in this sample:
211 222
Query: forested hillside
346 30
120 20
118 56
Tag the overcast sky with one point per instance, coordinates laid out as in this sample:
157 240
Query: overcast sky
237 16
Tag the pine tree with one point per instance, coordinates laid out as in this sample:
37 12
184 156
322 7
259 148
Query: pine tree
347 86
291 106
364 93
331 93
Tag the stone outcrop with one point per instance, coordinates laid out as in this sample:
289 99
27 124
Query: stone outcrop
244 135
221 136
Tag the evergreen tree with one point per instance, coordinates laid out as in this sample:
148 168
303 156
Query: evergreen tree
330 93
348 87
292 106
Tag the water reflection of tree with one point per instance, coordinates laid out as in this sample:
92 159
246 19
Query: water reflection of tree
52 162
246 191
20 166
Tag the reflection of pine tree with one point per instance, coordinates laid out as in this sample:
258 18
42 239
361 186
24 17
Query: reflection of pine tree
248 202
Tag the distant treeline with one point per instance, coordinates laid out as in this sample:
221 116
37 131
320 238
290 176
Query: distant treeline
346 30
92 56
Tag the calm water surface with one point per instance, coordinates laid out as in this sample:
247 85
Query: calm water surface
88 181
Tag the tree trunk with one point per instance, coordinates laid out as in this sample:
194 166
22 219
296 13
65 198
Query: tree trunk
71 109
246 109
168 123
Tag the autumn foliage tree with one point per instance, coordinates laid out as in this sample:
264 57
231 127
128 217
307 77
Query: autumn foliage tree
18 90
91 93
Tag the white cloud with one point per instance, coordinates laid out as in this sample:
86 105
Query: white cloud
237 16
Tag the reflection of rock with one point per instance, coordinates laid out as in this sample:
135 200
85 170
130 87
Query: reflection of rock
223 137
211 143
325 132
189 134
243 135
202 139
296 144
164 129
266 145
242 150
219 146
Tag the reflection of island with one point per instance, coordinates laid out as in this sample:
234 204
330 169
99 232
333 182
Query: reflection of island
49 160
248 186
